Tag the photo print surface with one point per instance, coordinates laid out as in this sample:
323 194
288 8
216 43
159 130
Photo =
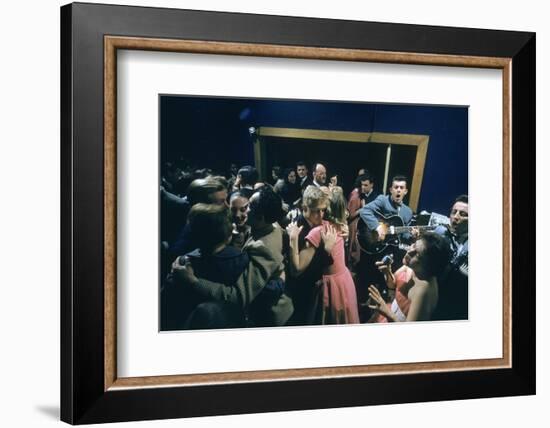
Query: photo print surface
277 212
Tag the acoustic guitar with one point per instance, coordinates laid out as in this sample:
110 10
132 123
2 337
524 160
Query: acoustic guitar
393 227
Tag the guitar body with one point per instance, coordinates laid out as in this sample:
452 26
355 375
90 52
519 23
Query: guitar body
368 239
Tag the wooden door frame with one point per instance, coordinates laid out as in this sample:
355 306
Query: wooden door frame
420 141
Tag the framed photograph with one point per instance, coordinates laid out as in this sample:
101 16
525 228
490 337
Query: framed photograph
181 130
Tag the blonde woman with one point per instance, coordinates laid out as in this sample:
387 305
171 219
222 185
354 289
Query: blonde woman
338 213
339 300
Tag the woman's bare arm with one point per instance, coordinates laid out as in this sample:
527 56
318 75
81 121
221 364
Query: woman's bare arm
300 260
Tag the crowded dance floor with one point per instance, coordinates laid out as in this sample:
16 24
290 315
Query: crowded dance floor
264 238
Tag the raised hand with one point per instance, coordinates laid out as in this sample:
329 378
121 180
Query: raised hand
388 274
293 231
376 301
329 236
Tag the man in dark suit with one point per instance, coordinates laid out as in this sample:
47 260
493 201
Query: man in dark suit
319 175
303 179
365 186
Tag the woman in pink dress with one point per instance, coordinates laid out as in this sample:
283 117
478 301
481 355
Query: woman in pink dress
339 296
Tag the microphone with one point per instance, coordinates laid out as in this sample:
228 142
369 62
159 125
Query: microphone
387 259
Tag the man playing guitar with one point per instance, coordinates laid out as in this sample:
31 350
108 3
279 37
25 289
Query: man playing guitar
386 206
383 206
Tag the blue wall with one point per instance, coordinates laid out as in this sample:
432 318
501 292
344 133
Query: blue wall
213 129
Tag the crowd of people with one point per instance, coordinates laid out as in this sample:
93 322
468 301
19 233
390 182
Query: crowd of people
238 252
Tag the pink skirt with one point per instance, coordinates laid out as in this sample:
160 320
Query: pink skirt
339 299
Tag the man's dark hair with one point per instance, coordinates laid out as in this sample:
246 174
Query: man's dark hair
242 193
200 173
211 224
199 190
249 175
363 177
181 186
247 192
437 253
399 178
300 163
286 173
277 170
461 198
268 205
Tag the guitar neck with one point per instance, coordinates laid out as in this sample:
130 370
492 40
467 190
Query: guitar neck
401 229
